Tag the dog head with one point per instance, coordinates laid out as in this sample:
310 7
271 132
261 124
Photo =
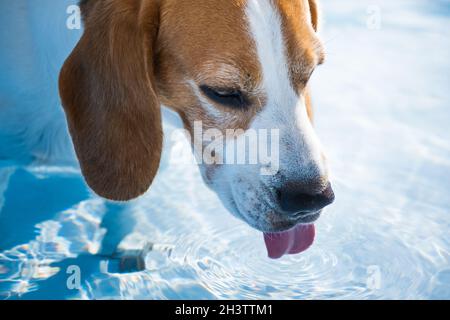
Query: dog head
239 64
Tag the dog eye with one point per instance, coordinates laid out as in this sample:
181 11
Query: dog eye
228 97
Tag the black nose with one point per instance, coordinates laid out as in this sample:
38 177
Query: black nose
292 201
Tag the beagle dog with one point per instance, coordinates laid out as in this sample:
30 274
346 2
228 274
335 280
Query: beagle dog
234 64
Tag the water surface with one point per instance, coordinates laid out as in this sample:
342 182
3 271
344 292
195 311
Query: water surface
382 112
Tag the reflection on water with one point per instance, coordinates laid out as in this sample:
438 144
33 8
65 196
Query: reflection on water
386 236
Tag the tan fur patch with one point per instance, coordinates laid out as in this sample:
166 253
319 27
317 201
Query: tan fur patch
304 49
199 42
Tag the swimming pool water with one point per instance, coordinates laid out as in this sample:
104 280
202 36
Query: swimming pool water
382 113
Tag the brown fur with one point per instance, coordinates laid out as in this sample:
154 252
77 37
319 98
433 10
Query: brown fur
304 49
195 38
111 106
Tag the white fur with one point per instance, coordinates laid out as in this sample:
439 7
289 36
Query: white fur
300 149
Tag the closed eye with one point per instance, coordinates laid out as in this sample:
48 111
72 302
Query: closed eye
228 97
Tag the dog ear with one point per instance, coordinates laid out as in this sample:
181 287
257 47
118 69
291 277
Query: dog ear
314 9
108 94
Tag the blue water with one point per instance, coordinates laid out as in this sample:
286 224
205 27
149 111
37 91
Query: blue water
382 112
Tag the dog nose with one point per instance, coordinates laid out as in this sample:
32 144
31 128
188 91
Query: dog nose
294 201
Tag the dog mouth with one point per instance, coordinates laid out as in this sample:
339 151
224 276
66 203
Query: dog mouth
289 237
282 235
294 240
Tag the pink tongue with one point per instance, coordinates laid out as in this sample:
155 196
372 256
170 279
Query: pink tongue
292 241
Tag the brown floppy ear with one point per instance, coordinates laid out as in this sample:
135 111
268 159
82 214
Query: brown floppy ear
107 91
313 7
